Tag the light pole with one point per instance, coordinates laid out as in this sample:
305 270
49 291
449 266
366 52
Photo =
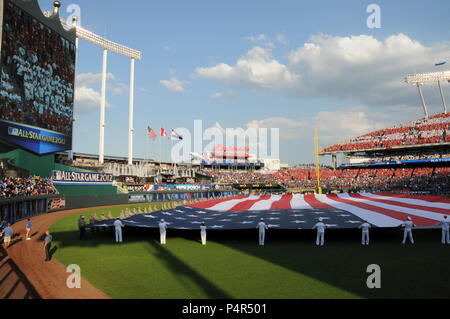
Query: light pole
424 78
107 45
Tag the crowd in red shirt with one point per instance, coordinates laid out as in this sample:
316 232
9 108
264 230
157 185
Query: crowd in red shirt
432 130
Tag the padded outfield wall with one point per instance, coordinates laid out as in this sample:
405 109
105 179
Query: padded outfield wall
16 209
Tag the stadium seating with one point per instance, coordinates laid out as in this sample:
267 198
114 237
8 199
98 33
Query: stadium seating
25 187
382 179
432 130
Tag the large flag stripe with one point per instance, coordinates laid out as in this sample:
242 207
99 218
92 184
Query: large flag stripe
433 199
227 204
410 201
419 213
266 204
374 218
403 204
283 203
421 221
298 202
246 205
211 203
316 204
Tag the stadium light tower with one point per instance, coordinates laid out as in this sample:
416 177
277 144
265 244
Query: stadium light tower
425 78
107 45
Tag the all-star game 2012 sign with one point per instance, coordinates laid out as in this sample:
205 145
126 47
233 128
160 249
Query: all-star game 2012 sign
81 178
35 139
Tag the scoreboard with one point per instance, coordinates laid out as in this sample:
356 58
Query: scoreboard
37 79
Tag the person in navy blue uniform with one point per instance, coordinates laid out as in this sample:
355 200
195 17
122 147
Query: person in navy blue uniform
47 245
82 227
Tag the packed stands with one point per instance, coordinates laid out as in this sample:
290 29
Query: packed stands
434 180
432 130
24 187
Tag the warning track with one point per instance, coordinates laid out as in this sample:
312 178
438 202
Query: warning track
46 280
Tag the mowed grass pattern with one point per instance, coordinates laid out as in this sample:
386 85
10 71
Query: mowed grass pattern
232 265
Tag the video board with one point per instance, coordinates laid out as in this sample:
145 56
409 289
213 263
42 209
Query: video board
37 79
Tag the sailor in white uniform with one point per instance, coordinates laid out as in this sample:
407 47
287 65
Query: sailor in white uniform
408 225
365 233
445 230
203 233
320 226
262 231
118 226
162 231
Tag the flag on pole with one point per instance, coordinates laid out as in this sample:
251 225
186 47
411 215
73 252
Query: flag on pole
151 133
176 136
164 133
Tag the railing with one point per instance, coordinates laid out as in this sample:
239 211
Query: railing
19 208
15 209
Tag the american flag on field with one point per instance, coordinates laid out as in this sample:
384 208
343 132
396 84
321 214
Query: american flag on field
151 133
338 211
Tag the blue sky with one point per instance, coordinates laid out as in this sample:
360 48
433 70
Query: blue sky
295 65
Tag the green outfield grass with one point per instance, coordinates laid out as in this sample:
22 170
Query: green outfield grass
232 265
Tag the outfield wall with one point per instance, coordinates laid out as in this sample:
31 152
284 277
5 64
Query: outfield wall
16 209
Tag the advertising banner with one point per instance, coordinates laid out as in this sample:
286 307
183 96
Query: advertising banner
36 140
81 178
56 203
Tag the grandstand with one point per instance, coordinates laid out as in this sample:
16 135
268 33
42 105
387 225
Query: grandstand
412 156
409 157
423 133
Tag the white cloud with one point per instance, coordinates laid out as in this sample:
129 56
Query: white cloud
173 85
88 79
256 70
282 39
145 90
333 126
360 67
87 99
229 94
217 96
120 89
289 128
255 39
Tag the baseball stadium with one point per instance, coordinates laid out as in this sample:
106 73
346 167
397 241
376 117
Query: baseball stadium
107 216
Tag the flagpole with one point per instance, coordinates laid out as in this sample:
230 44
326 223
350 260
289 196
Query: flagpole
147 148
171 145
160 149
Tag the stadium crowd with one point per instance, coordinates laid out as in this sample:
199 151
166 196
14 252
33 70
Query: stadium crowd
24 187
430 130
37 73
384 179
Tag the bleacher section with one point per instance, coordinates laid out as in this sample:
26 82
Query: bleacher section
426 131
44 165
430 179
